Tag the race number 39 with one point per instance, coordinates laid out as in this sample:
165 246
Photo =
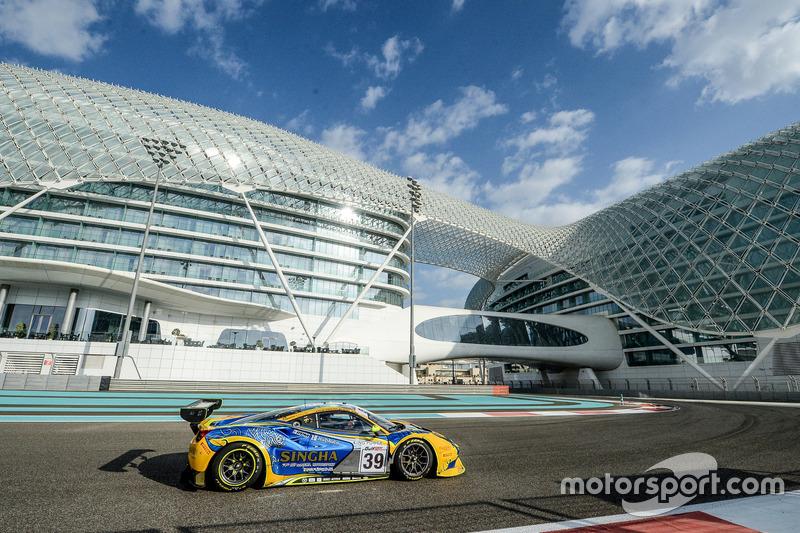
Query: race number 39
373 459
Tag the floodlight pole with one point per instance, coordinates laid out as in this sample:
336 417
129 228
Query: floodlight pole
162 152
414 190
124 344
411 348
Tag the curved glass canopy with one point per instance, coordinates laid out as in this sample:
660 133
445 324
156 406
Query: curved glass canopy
713 249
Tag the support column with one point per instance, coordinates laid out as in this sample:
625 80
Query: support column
69 312
545 378
278 269
660 338
588 372
755 363
22 204
368 286
57 186
145 320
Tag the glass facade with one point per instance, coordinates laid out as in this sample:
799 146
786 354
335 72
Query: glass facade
45 322
207 254
110 143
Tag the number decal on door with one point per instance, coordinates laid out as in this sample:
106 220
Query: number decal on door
373 459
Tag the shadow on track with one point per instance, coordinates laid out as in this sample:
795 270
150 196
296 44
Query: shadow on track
165 469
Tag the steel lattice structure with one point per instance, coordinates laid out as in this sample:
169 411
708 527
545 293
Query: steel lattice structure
713 249
64 129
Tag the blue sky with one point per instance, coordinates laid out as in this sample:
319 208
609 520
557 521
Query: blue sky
545 111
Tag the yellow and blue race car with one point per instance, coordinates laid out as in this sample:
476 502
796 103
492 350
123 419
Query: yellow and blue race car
316 443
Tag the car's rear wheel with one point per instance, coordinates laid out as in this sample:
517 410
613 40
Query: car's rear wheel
413 460
236 466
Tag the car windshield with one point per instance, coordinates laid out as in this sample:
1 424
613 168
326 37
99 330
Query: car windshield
382 422
271 415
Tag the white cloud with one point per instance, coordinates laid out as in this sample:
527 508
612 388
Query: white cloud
742 52
436 125
346 139
741 49
439 123
445 173
394 52
168 15
522 197
558 212
386 66
301 124
207 25
60 28
372 97
546 158
450 286
549 82
631 175
344 5
212 47
458 5
565 133
347 58
610 24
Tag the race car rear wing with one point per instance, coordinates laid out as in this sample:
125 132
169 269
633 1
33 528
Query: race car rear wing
198 411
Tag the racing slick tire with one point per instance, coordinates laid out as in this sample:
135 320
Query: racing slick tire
236 467
413 460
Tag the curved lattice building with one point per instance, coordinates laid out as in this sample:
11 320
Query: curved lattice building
256 237
697 269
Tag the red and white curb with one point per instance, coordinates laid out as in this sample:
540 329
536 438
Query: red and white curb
770 513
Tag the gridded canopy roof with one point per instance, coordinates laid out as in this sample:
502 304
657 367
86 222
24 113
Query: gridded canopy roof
713 249
58 128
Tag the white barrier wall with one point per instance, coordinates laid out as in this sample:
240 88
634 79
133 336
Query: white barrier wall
170 362
182 363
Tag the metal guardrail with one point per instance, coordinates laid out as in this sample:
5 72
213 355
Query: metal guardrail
124 385
53 382
766 389
754 384
36 381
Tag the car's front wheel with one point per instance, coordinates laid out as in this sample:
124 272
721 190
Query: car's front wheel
236 466
413 460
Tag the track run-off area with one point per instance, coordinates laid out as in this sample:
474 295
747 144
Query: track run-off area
94 473
60 406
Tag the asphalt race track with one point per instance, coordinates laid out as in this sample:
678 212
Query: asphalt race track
123 476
